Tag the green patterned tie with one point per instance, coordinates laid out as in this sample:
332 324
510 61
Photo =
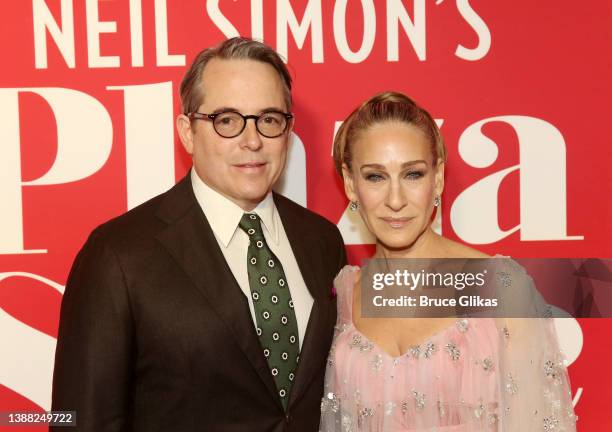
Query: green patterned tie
275 316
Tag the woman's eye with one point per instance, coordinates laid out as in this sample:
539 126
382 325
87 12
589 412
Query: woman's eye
414 175
374 177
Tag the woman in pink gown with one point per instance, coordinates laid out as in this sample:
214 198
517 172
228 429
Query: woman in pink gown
429 374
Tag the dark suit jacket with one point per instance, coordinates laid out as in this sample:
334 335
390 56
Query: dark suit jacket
156 335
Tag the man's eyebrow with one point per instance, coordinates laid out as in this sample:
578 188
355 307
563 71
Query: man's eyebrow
277 109
232 109
224 109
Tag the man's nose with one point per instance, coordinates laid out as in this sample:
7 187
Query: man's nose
251 138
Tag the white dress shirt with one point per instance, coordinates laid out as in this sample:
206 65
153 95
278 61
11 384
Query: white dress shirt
223 215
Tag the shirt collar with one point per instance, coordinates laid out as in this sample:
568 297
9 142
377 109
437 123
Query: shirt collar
224 215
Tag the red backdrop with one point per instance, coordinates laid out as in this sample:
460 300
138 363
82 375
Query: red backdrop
88 96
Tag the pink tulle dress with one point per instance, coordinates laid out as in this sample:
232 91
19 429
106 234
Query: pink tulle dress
480 374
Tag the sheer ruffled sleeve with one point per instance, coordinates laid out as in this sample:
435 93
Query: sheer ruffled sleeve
535 393
534 385
343 287
331 410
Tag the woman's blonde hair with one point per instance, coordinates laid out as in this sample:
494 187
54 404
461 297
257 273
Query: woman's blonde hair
385 107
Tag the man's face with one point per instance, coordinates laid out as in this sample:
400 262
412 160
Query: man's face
245 167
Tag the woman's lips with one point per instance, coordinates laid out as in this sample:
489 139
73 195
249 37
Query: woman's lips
396 222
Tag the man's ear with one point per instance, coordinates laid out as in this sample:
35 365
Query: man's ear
349 185
290 126
439 177
185 132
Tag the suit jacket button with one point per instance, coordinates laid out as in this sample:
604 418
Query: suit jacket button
288 418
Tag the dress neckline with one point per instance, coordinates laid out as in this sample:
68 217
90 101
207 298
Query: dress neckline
406 354
375 346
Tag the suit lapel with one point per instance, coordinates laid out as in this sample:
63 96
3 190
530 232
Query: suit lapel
306 250
191 242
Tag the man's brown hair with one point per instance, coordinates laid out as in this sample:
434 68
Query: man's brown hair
237 48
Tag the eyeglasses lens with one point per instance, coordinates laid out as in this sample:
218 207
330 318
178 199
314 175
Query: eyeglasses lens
231 124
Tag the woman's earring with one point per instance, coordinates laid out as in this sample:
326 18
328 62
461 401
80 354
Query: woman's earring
354 205
437 201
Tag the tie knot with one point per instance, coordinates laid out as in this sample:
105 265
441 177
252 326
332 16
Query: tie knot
250 224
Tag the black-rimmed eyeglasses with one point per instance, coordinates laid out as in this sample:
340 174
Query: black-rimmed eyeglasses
230 124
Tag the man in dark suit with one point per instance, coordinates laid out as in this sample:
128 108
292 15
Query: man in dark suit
209 307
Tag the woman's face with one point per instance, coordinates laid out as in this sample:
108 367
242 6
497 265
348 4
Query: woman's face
394 179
